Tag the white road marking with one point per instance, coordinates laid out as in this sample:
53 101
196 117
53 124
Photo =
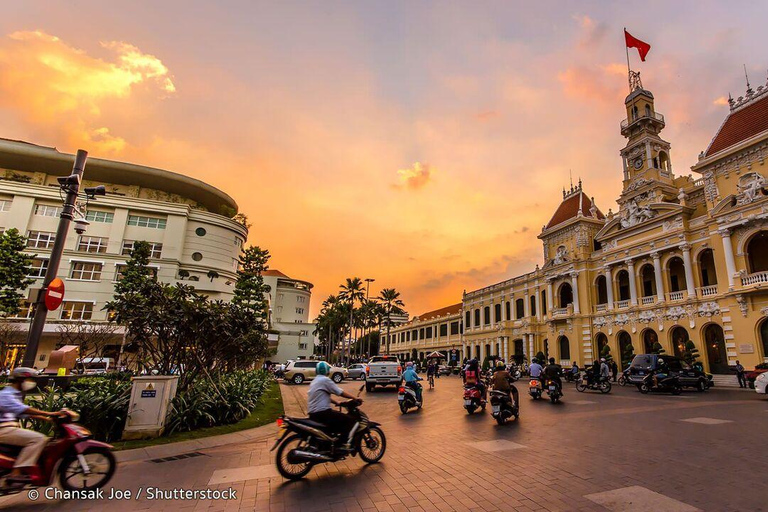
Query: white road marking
223 476
582 402
495 446
707 421
638 499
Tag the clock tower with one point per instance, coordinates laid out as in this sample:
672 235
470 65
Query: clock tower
646 161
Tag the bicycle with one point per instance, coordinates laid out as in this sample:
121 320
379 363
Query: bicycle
431 380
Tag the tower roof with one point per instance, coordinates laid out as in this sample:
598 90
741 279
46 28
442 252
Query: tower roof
747 118
574 202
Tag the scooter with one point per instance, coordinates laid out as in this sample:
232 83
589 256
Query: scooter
553 390
503 407
624 378
306 442
407 399
602 384
670 383
84 464
473 399
534 388
515 374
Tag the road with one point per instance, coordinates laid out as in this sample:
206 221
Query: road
698 451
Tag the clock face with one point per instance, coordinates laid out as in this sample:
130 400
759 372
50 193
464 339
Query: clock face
638 162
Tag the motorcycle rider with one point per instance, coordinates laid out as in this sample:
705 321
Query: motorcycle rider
502 381
535 369
660 372
574 371
472 376
412 379
12 408
594 373
319 405
552 372
604 371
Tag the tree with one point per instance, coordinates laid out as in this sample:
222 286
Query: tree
691 353
91 338
14 265
331 324
657 348
541 357
605 353
250 290
627 355
352 292
391 304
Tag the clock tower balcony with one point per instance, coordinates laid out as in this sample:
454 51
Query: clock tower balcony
641 121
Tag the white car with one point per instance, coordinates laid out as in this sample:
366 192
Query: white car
761 383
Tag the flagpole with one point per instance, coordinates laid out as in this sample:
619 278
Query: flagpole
629 70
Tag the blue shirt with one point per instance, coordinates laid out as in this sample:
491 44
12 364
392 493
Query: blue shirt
535 370
410 375
11 404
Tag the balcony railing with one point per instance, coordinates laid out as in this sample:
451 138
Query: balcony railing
622 304
673 296
559 311
651 299
601 308
755 278
706 291
641 115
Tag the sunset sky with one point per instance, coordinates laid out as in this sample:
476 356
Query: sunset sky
423 144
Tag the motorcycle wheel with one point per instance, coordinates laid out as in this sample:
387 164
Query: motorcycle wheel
622 381
101 462
403 408
581 387
702 386
553 399
285 468
643 388
605 388
372 445
677 389
470 410
500 420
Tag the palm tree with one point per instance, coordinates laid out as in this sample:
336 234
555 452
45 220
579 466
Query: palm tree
392 305
352 291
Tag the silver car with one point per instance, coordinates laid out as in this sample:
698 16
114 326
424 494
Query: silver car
356 371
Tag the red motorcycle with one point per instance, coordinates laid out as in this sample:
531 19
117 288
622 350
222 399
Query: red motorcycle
473 399
84 464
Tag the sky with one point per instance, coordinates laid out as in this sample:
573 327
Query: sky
422 144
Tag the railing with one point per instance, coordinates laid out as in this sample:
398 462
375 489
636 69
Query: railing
706 291
559 311
601 307
651 299
673 296
699 182
622 304
757 277
641 115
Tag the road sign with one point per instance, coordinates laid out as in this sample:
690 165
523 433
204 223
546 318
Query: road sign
54 295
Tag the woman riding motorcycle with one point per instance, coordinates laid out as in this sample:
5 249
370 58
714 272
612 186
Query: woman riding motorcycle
502 381
472 377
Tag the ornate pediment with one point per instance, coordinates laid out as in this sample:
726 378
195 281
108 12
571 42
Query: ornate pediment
640 216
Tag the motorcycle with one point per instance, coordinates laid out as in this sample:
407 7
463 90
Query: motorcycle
624 378
407 399
670 383
534 388
572 377
553 390
473 399
602 385
306 442
503 407
84 464
515 374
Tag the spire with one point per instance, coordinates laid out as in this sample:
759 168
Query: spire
749 89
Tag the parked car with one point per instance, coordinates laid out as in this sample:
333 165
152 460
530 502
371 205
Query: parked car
300 371
356 371
690 376
751 376
383 371
761 383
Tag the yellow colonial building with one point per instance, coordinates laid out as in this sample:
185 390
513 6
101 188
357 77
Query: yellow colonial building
683 258
434 331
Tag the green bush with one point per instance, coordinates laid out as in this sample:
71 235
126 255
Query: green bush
691 353
657 348
605 353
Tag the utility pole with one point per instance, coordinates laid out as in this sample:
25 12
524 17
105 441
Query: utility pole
71 185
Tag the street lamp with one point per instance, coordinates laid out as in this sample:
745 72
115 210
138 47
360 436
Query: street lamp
368 281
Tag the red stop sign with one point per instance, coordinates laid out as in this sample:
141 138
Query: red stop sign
54 294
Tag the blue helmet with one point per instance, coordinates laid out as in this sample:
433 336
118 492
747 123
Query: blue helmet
323 368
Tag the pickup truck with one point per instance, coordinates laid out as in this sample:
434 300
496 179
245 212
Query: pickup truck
383 371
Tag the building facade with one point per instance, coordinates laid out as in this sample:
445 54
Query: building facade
684 258
435 331
188 223
289 317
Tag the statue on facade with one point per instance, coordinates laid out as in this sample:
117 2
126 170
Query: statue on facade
561 256
634 214
751 187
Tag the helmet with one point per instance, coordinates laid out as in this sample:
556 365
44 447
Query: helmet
499 364
551 360
409 364
22 373
323 368
602 359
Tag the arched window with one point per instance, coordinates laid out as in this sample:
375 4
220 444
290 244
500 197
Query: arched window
647 110
635 111
486 315
601 290
717 357
649 340
625 342
707 267
566 295
507 311
543 302
533 305
679 337
602 340
622 278
676 274
565 347
764 338
497 312
757 252
519 308
468 317
648 276
664 163
477 318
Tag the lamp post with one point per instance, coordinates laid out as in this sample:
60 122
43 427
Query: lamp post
367 294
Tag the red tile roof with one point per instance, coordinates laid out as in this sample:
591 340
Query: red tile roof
449 310
569 209
741 125
274 273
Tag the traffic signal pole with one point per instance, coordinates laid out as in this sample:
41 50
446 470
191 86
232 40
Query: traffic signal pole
72 187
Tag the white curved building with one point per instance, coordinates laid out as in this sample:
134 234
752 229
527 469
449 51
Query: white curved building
189 224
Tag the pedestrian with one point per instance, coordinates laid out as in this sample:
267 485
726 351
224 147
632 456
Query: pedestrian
740 375
614 369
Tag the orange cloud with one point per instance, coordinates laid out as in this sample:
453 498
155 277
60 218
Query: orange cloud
63 90
721 101
415 177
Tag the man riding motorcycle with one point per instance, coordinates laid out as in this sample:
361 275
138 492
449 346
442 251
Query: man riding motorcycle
472 377
412 379
12 408
535 369
319 405
502 381
552 372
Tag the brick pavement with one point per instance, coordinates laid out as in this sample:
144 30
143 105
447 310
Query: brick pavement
558 457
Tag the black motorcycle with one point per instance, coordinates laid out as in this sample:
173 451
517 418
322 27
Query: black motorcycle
624 378
306 442
407 399
670 383
600 384
503 407
553 390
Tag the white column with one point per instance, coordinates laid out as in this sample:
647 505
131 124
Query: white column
530 345
482 352
648 155
609 286
730 264
688 269
506 348
575 287
657 271
526 304
550 305
632 284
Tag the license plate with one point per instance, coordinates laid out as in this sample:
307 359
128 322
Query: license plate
551 388
584 382
496 409
401 397
641 373
467 402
